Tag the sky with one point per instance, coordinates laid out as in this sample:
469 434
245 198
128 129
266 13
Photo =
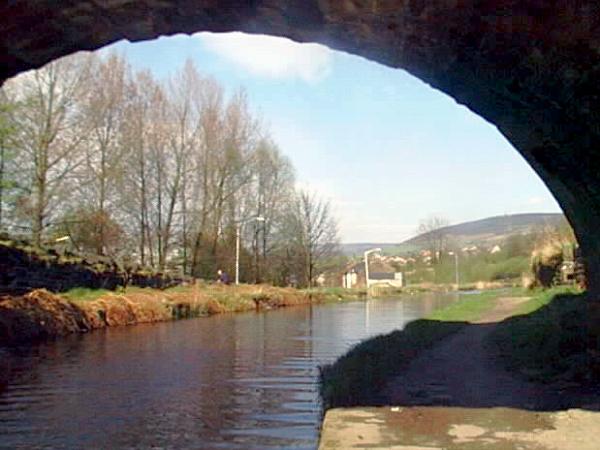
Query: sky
384 148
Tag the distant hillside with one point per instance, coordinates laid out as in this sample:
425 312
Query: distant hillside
491 230
359 248
479 232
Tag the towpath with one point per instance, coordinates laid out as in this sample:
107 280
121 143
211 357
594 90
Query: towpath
457 395
461 372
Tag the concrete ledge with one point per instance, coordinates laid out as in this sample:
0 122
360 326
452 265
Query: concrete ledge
429 428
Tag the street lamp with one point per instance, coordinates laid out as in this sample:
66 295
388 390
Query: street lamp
455 268
374 250
238 230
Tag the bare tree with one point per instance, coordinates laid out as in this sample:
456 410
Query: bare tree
6 155
175 133
204 185
142 91
314 236
227 141
270 193
48 135
144 168
435 234
103 109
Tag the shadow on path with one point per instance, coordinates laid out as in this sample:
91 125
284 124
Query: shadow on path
474 367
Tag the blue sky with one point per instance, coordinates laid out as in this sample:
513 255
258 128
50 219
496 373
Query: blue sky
386 149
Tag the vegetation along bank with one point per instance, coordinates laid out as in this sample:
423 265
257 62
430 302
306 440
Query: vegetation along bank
41 314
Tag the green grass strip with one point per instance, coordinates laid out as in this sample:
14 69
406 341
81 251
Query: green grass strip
84 294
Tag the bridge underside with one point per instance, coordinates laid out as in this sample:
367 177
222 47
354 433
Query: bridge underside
531 67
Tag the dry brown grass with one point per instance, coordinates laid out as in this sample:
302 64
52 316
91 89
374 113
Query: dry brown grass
41 314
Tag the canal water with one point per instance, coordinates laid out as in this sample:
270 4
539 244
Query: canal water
239 381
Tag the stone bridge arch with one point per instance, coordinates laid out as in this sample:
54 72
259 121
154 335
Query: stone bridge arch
530 67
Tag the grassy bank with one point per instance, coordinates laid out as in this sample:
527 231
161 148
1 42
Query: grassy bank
334 294
471 307
481 268
547 341
229 296
358 377
41 314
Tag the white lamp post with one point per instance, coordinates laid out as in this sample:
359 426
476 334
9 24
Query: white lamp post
374 250
238 232
455 268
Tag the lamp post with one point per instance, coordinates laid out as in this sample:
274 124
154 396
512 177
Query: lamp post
238 232
455 268
373 250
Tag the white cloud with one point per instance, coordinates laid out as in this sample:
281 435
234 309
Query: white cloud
271 57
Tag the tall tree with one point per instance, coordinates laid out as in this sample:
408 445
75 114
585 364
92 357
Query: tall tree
228 135
6 154
136 192
204 185
103 109
177 130
272 190
48 135
314 236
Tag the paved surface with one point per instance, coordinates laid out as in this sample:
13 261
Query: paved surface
428 428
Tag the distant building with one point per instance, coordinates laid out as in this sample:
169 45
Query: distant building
350 279
380 273
393 279
321 280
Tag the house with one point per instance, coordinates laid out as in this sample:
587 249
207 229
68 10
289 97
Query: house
350 279
380 273
393 279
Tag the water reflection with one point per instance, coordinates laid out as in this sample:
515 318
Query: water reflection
236 381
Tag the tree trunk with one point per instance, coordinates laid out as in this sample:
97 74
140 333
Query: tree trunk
39 211
2 180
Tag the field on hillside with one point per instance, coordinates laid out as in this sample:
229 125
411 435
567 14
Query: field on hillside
471 269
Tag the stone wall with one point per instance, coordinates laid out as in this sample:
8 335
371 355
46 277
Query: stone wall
22 271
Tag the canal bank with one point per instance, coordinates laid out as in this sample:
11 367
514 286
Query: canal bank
464 391
41 314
